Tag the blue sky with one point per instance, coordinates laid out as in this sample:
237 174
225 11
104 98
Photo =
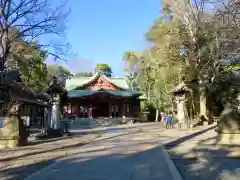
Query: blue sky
100 31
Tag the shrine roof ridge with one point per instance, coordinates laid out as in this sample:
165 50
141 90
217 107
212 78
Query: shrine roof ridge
76 82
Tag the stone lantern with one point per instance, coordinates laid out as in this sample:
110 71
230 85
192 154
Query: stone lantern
56 91
180 94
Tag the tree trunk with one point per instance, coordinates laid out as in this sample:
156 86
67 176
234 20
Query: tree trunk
157 114
203 103
2 64
5 47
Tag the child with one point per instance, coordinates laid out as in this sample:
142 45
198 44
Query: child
169 119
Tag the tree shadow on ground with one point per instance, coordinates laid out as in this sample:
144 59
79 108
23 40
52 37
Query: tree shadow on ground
205 160
20 172
77 134
110 158
60 147
207 164
201 157
145 165
177 142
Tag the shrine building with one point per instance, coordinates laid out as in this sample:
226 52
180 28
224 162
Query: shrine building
101 96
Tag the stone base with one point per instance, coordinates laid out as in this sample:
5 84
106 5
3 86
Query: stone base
9 142
67 134
52 133
13 134
229 139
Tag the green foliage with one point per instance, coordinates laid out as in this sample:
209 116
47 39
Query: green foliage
235 67
156 70
32 68
29 20
188 44
105 69
58 71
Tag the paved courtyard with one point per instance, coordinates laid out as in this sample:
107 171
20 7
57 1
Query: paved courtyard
200 156
128 152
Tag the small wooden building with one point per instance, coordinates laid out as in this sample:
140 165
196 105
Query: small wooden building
100 96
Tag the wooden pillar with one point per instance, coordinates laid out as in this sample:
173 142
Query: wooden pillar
77 109
123 110
90 111
130 108
110 109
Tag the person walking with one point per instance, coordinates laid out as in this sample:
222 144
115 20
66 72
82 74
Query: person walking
169 120
163 117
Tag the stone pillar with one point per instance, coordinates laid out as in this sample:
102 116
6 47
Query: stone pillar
180 112
47 118
49 114
55 117
54 129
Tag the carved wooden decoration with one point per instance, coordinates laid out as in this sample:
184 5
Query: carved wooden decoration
101 83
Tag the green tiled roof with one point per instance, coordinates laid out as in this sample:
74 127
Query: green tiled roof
75 82
84 93
120 82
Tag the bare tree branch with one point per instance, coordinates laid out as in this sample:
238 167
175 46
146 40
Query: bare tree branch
31 19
